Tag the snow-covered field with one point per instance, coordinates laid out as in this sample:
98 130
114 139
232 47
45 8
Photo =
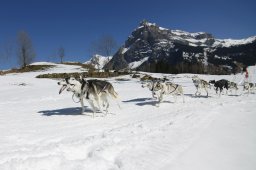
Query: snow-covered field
42 130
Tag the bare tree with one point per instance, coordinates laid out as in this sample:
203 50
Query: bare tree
105 45
61 54
26 52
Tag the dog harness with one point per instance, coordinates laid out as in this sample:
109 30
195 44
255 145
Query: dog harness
176 86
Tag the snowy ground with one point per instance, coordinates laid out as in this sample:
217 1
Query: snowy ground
41 129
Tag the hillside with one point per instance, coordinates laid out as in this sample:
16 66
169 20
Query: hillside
156 49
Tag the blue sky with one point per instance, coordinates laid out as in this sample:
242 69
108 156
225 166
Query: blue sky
75 24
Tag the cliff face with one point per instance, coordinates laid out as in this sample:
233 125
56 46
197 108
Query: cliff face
156 49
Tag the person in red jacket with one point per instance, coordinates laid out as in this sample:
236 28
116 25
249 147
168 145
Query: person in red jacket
246 76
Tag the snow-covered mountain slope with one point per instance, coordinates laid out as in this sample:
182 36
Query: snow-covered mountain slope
176 51
98 61
41 129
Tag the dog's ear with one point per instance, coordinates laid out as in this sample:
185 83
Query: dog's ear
81 77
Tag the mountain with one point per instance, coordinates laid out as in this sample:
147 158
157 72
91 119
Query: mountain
156 49
98 61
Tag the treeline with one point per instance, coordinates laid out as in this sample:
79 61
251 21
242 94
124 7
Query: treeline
186 67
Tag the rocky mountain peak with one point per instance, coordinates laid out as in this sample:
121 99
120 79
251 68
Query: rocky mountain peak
149 44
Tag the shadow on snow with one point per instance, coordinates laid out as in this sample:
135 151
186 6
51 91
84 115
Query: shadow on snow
137 100
73 111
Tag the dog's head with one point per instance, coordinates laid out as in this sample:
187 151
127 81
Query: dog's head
70 82
148 84
232 85
157 86
195 78
246 86
212 82
63 85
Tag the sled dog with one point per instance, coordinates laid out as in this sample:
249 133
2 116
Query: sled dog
167 88
220 85
92 90
149 85
249 87
232 86
200 84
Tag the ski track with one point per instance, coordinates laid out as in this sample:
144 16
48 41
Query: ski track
139 136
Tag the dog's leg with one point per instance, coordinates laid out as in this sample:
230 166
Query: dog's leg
82 105
196 91
175 98
159 99
206 91
216 89
199 90
105 102
107 106
220 91
93 107
182 94
98 103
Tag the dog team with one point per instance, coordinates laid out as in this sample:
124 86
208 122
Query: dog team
97 92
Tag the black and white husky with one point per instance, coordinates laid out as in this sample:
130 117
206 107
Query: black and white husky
232 86
249 87
200 84
92 90
161 88
221 84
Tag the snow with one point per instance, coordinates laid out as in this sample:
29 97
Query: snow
124 50
43 63
222 57
191 39
41 129
232 42
99 61
136 64
150 24
216 139
163 29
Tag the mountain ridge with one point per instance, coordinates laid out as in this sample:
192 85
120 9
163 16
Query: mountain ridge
158 49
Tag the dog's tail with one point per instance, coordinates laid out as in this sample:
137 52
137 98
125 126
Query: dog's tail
114 94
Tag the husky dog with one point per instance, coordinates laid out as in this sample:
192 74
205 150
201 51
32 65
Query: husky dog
200 84
232 85
220 85
249 87
91 90
167 88
149 85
